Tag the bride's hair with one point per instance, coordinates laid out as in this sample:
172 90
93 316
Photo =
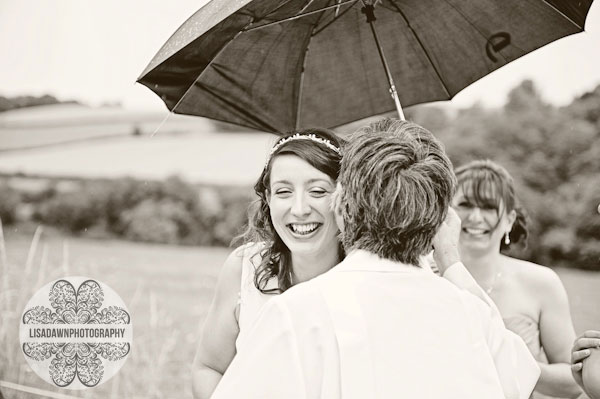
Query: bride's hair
321 148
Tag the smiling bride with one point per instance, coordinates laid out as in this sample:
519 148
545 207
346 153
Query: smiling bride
291 237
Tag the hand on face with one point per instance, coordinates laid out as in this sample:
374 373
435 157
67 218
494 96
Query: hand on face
445 242
335 206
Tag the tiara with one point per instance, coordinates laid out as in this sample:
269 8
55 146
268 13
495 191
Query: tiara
298 136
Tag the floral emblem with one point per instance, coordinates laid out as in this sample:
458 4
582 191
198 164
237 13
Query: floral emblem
71 360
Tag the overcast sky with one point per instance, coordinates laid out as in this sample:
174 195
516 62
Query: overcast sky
94 50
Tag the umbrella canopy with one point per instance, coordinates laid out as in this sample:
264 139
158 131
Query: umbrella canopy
278 65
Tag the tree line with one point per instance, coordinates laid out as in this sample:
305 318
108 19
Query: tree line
554 155
10 103
552 152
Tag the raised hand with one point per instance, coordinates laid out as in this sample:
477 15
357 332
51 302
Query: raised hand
445 242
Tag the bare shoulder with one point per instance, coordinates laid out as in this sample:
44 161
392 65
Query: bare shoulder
235 260
230 275
232 267
538 278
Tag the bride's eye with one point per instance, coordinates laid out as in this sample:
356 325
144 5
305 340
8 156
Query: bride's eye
318 192
283 192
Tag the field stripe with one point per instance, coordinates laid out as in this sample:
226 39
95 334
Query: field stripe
36 391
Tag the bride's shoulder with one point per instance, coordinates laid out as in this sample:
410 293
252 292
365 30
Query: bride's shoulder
241 263
250 253
249 249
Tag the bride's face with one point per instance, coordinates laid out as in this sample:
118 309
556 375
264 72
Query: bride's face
300 206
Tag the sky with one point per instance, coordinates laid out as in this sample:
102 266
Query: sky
93 51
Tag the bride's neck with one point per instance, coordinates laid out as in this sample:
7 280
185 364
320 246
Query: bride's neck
306 267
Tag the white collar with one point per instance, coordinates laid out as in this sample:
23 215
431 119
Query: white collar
362 260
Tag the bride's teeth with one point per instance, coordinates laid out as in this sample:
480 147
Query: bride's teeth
304 228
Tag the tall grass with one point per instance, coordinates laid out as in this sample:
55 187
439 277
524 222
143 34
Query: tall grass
167 291
142 376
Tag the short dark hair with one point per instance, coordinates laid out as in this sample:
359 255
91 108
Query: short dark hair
487 184
397 184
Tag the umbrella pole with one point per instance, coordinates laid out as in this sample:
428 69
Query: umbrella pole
368 10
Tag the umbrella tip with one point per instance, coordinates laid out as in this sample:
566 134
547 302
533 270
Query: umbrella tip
161 124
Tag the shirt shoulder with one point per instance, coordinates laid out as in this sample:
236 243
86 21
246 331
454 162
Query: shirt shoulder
303 295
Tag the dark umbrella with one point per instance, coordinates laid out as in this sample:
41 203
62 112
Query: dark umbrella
278 65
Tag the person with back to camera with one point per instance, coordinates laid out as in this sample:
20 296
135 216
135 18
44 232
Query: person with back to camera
530 297
291 237
380 324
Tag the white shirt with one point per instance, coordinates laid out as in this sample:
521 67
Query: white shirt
372 328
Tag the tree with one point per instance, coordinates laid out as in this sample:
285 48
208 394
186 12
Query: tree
6 103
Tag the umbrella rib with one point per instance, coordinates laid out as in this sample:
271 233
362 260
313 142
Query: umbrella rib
477 29
218 53
301 81
321 29
283 3
308 3
563 14
301 15
300 85
239 108
208 65
422 47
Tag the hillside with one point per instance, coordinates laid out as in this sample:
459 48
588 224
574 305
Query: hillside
78 141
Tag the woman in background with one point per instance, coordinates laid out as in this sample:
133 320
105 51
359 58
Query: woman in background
530 297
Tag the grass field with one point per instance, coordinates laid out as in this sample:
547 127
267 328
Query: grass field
213 158
167 290
76 141
63 123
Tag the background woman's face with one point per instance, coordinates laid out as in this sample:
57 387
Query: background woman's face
483 227
300 206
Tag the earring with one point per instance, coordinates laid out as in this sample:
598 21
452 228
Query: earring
506 239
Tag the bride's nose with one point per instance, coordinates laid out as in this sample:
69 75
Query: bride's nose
300 206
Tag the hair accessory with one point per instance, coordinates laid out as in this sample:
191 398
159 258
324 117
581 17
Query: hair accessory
507 239
298 136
